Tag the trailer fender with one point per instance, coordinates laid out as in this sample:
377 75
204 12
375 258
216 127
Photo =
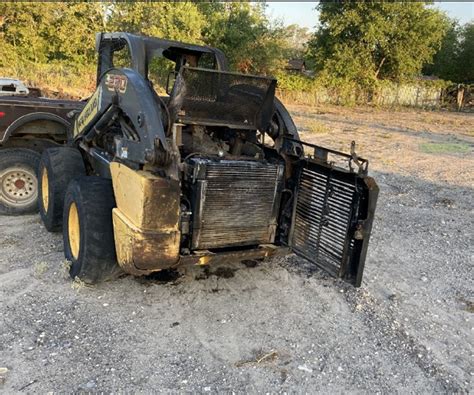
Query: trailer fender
29 118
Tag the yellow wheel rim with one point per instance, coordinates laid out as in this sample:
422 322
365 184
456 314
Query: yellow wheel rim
45 189
73 230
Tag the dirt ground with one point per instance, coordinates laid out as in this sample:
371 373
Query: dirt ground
282 325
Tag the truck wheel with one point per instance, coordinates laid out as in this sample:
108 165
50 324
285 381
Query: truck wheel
18 181
88 231
58 166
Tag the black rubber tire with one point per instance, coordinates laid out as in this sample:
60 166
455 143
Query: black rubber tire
20 159
62 165
96 259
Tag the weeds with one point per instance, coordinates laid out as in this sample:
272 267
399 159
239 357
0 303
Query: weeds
259 358
64 268
78 284
40 268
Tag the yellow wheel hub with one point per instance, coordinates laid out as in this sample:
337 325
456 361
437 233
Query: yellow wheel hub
45 189
73 229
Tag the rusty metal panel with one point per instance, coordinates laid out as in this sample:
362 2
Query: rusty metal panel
235 202
146 220
140 251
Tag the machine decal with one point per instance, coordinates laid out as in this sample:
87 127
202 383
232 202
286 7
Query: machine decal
116 82
91 109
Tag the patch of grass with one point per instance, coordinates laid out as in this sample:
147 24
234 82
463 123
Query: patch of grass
316 127
40 268
468 305
9 241
445 148
386 161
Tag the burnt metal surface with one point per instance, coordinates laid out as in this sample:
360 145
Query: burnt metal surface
204 258
208 258
316 201
321 155
332 218
146 220
210 97
142 48
235 203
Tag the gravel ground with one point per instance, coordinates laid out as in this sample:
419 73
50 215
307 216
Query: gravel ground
282 325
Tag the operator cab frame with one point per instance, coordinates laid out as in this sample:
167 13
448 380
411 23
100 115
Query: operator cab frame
143 49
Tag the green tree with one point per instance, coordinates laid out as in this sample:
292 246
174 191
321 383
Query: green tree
466 54
445 63
72 35
44 32
243 32
455 59
369 40
23 30
174 20
54 42
296 39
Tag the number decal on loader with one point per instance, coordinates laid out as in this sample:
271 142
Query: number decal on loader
116 82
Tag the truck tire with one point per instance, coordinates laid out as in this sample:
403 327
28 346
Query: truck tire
58 166
18 181
88 231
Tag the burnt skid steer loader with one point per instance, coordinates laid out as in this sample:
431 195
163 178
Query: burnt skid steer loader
215 171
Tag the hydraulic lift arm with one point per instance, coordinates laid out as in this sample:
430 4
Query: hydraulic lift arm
124 96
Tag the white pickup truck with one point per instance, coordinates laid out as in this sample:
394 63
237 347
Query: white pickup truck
12 87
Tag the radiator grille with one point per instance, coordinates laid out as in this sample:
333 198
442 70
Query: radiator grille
323 213
236 203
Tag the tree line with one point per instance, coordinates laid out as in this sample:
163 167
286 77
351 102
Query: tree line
372 40
65 32
361 42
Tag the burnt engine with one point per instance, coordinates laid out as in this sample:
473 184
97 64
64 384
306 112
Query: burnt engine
233 202
231 183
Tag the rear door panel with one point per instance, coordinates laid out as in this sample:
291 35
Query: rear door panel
332 218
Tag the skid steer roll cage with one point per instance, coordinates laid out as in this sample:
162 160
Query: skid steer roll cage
142 49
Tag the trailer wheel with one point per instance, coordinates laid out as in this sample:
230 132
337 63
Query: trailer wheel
88 230
58 166
18 181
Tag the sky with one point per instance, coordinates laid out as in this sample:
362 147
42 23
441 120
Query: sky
303 13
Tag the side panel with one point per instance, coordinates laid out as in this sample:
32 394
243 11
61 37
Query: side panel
332 219
146 220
